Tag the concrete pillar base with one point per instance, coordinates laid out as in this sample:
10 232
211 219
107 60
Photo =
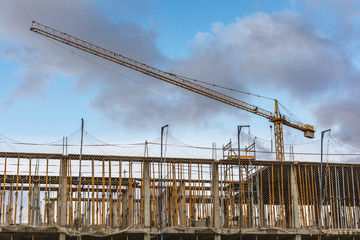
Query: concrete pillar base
217 237
62 236
297 237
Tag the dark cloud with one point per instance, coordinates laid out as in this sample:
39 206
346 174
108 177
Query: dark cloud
279 52
339 109
342 115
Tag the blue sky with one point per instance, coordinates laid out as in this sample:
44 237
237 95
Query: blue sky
303 53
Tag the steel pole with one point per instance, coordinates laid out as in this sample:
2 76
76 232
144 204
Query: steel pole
321 174
161 163
238 135
80 156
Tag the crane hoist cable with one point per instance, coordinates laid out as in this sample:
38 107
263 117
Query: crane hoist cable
276 118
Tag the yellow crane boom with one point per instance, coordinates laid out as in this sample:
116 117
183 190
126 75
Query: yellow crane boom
278 119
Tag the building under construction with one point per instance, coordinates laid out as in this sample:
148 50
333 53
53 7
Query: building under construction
127 197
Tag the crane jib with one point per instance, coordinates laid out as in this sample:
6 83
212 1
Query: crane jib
146 69
174 79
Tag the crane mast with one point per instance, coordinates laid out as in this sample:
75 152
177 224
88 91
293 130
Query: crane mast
278 119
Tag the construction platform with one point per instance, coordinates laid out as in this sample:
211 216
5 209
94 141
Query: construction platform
42 196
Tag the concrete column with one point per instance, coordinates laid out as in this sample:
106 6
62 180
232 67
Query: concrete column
9 214
147 209
63 196
50 211
125 209
226 212
217 237
295 201
35 208
146 237
131 201
216 206
63 192
114 214
182 205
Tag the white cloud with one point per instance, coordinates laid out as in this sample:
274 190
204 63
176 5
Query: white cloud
280 53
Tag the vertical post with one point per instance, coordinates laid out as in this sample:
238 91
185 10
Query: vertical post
63 197
80 156
147 210
321 175
35 212
271 139
216 207
182 204
240 173
21 202
295 199
115 215
30 199
125 209
161 163
131 194
110 203
216 195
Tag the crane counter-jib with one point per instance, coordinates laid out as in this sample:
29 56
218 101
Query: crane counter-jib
177 80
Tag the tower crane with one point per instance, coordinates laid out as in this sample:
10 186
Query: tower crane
275 117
